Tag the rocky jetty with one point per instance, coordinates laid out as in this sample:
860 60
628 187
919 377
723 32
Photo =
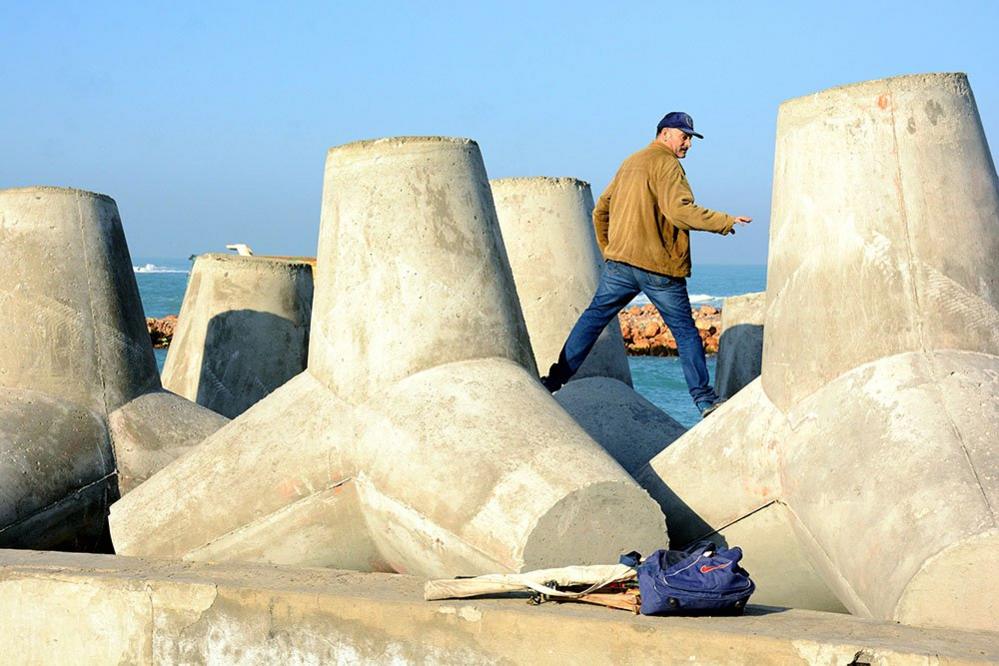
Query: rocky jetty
161 330
645 334
642 328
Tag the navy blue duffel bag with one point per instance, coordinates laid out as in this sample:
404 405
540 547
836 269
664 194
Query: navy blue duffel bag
701 580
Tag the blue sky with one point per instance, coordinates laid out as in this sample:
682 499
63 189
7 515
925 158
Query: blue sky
209 122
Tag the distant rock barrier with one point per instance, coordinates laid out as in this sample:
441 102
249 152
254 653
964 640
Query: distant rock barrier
642 328
161 330
645 334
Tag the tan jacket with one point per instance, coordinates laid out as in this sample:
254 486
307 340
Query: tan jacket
644 217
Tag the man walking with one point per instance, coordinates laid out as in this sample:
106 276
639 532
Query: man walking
643 221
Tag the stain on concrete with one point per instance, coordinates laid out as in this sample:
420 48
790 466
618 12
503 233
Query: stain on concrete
933 111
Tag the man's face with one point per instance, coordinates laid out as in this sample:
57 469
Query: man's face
677 141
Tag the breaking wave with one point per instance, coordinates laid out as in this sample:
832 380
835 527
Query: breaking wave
695 299
153 268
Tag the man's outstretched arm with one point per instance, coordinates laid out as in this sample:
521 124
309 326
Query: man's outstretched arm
677 202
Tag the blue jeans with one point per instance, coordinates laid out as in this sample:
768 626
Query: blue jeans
619 283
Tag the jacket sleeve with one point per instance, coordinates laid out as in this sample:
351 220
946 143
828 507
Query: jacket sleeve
676 201
601 217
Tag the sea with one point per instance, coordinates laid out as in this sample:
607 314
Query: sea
162 282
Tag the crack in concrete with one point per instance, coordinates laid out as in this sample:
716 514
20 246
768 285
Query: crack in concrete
937 377
910 254
201 614
152 624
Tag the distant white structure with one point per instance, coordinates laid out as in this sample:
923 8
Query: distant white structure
241 249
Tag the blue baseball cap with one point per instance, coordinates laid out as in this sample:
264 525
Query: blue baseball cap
680 121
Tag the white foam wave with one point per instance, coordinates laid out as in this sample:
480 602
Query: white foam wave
153 268
695 299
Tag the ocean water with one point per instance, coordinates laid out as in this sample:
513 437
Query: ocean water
660 379
162 282
161 285
711 283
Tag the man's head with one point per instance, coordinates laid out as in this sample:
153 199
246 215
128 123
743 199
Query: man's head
675 131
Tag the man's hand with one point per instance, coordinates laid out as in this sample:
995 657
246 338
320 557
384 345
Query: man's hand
740 220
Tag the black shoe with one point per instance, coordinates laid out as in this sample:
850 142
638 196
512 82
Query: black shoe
551 384
557 374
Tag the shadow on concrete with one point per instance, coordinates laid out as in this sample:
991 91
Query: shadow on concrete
247 355
740 357
684 526
753 609
749 335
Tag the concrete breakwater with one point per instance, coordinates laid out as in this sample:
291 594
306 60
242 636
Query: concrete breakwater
642 328
353 463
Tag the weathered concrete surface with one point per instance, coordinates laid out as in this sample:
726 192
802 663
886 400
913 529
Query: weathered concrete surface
93 609
735 458
243 330
628 426
75 364
548 234
881 448
902 234
436 453
740 349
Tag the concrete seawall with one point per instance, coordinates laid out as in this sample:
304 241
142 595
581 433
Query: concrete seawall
92 609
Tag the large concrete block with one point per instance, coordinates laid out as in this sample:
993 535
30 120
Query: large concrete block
433 453
740 349
722 481
897 182
243 330
882 421
548 233
79 389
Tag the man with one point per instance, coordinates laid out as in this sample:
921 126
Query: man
643 221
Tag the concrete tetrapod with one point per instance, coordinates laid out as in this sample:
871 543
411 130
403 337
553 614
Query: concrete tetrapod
84 416
432 453
243 330
874 455
740 349
548 232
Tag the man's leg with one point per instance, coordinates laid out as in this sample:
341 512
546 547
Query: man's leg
669 295
616 288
